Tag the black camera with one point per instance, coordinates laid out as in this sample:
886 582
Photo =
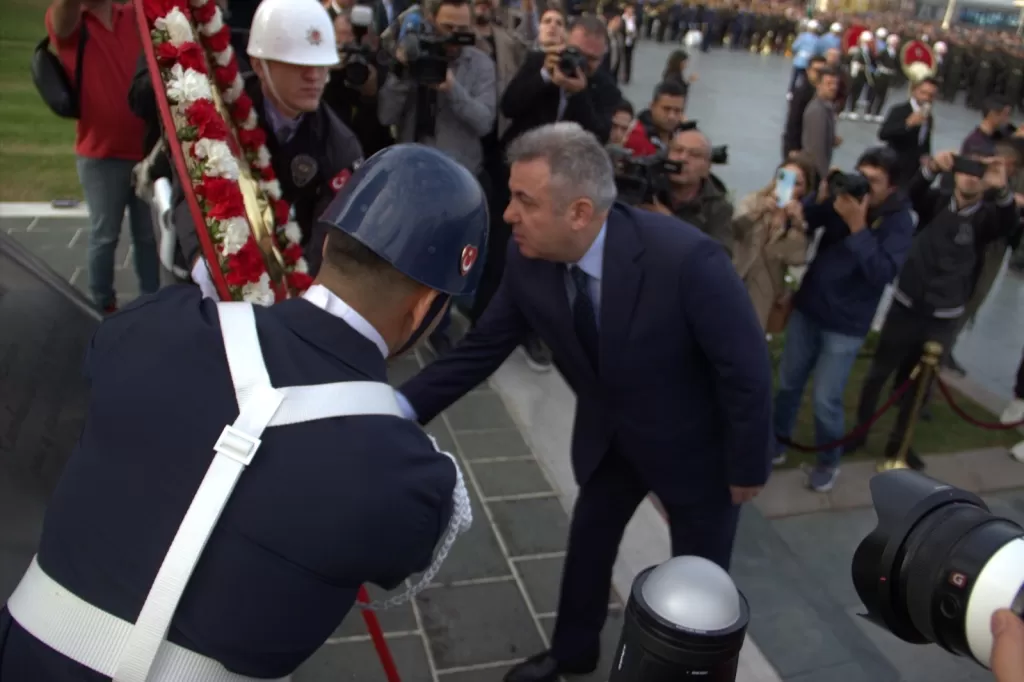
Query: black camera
854 184
938 564
426 53
357 57
571 60
642 179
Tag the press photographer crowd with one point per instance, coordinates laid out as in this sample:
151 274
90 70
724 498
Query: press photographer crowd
373 169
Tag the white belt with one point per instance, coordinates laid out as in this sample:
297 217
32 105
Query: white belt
95 638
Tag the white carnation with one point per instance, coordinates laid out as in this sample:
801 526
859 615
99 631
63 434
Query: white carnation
178 27
234 234
272 188
301 266
232 94
293 233
215 24
251 121
217 158
262 156
259 292
224 57
187 86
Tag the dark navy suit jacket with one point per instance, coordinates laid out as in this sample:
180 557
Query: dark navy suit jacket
684 387
324 507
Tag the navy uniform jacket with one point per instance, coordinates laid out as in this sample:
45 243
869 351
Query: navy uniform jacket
324 507
685 384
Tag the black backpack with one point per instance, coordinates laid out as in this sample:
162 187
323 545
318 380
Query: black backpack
51 80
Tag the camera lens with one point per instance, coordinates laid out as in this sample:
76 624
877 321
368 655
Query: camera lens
938 564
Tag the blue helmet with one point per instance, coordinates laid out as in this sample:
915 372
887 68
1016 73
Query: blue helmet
420 211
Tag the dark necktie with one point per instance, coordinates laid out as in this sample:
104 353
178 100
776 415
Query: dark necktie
583 316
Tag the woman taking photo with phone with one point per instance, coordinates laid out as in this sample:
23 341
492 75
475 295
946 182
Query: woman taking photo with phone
770 237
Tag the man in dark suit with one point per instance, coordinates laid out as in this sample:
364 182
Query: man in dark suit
908 129
541 93
653 330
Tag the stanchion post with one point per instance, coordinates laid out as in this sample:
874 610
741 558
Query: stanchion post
925 371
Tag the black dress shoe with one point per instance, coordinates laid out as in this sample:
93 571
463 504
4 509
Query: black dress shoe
544 668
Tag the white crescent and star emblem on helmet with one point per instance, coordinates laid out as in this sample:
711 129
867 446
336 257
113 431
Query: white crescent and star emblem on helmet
469 254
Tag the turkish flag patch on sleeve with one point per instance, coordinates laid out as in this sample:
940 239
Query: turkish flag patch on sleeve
340 180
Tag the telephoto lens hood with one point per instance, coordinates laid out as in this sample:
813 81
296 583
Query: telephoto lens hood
938 564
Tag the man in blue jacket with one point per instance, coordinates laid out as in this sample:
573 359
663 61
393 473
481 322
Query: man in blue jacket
653 330
862 248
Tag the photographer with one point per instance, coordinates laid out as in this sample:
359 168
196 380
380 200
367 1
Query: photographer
941 270
351 92
696 196
654 127
451 115
867 226
564 83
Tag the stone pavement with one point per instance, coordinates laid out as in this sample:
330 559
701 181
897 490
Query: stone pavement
494 600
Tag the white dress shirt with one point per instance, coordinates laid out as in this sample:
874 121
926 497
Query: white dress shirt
563 99
323 298
923 132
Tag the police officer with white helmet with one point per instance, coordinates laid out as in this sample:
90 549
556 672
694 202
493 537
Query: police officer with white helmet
243 470
292 47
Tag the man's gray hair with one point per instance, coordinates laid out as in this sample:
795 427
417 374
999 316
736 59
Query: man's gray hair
590 25
579 164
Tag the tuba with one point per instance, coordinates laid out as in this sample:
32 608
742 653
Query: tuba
918 61
246 231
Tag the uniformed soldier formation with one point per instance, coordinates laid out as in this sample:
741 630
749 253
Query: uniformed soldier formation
979 62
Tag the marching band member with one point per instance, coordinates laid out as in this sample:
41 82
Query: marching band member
153 565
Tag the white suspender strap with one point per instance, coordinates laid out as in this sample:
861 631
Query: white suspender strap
234 450
342 399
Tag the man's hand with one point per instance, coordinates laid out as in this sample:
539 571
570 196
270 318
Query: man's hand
742 494
551 56
853 212
449 81
916 119
400 55
837 140
941 162
1007 646
571 84
995 173
1018 199
692 78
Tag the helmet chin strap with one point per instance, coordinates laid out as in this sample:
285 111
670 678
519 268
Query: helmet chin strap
436 308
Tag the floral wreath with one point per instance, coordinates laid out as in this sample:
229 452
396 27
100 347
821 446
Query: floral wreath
208 145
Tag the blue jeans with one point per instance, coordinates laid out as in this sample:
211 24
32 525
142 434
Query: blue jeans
830 356
107 184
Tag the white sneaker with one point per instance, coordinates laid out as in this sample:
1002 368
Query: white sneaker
843 115
1014 412
1017 452
854 116
878 119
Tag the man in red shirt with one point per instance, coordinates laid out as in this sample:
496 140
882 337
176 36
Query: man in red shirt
109 135
653 128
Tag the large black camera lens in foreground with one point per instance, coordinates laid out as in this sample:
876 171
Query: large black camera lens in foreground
685 620
938 564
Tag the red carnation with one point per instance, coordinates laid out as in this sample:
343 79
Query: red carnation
282 211
252 139
220 40
299 281
242 106
292 254
246 265
166 53
226 74
205 118
204 14
157 9
223 197
191 56
267 174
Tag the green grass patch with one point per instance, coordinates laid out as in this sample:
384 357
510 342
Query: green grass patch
37 148
944 433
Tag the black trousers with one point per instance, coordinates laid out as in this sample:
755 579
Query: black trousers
1018 389
627 62
878 94
606 503
498 235
900 346
856 88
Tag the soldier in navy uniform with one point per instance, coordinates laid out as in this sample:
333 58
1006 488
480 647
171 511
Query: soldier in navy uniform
192 540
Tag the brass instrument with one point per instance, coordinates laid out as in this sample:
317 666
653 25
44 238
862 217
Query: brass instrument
755 41
768 43
789 45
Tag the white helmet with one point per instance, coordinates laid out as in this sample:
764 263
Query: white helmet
881 33
940 47
866 37
813 25
836 28
296 32
926 38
